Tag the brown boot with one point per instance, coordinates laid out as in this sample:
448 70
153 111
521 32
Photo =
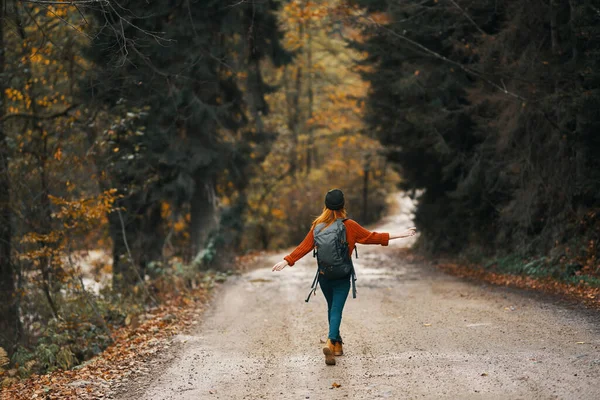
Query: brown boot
338 350
328 351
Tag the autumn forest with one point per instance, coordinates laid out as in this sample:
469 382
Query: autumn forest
148 147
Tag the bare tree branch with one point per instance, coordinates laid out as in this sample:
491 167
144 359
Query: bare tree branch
133 265
39 117
430 52
467 16
64 3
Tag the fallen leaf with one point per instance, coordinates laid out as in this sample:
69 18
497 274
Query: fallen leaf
260 280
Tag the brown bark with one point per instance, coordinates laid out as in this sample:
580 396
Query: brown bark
310 148
295 112
554 26
572 8
366 170
202 215
10 326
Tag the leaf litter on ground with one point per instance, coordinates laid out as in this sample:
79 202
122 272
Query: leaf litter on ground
588 295
133 346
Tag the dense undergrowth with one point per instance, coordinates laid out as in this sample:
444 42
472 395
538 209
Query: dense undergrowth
542 267
88 322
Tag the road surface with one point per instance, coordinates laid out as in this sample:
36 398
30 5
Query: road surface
412 333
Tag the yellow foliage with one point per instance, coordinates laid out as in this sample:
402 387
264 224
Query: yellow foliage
84 212
4 360
34 237
277 213
58 154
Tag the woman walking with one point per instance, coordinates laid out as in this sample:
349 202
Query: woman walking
333 237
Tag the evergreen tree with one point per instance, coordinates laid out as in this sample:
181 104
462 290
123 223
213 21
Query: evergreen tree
179 66
419 108
488 104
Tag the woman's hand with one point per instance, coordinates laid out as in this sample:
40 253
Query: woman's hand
407 233
280 265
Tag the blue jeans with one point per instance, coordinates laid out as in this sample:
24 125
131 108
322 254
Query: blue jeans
336 293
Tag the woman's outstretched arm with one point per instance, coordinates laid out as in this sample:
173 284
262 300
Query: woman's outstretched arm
407 233
364 236
303 248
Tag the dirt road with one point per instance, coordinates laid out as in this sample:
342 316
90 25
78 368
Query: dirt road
413 332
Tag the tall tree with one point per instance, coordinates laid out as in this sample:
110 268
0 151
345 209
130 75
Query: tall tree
188 79
481 101
9 315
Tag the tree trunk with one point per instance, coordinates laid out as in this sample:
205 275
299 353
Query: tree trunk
45 217
128 233
118 250
255 86
572 11
311 139
294 112
10 327
152 237
366 169
554 27
203 218
293 121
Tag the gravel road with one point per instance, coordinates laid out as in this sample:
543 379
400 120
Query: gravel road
413 332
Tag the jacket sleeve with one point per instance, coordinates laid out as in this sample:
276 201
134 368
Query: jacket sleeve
303 248
363 236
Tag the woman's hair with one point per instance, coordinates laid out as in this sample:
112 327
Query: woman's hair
329 216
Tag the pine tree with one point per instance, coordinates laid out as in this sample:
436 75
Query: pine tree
179 66
419 106
488 105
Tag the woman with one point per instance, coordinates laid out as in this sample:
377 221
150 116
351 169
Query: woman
336 290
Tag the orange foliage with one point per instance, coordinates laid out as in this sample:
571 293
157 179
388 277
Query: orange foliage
133 346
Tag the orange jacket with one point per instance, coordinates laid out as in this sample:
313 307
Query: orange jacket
354 234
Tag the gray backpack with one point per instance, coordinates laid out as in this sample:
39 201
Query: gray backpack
331 251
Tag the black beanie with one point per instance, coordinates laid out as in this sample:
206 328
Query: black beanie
334 200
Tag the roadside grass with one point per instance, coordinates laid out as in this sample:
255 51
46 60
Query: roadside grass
541 267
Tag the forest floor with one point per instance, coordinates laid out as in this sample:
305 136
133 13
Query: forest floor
412 332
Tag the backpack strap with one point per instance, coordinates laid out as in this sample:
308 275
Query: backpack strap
353 278
317 229
355 247
313 288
